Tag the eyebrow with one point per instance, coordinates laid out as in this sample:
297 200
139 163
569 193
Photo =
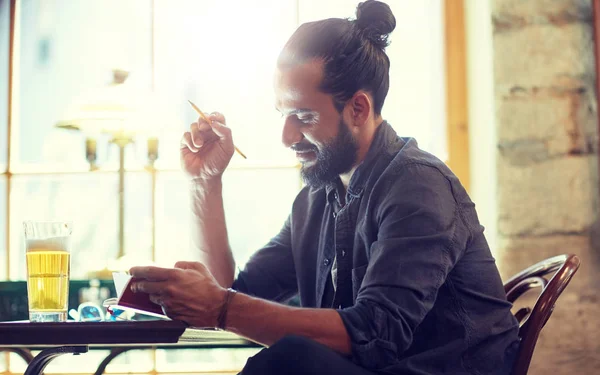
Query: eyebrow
297 111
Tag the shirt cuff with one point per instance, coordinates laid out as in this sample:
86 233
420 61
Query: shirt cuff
368 350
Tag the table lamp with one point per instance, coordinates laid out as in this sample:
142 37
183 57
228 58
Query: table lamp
122 111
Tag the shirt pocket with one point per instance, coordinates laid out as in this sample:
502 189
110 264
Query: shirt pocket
358 274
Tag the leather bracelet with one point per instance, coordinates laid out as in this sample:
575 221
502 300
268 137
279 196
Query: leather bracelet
222 319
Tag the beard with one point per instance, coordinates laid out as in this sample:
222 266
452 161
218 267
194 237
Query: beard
338 156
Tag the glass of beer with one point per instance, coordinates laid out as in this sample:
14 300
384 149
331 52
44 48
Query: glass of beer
47 245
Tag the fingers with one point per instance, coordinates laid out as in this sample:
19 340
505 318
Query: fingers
217 124
196 266
196 135
216 116
150 287
152 273
186 142
203 129
201 126
200 133
221 130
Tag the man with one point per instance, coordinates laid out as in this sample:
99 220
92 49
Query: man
383 246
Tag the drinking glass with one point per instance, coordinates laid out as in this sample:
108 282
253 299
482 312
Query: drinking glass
47 246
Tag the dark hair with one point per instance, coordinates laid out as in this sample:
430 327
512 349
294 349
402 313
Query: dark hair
353 52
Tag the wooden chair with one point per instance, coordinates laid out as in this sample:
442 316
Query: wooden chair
552 276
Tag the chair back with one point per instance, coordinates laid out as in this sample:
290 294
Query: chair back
552 276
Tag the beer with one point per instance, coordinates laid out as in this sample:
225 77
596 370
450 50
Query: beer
48 270
47 280
47 251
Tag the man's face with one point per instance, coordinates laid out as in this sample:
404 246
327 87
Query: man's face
313 128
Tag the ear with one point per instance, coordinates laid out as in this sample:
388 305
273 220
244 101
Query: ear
359 108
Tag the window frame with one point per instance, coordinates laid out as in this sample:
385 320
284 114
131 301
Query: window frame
457 117
7 172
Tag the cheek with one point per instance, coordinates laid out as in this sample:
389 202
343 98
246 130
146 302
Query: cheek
309 135
314 140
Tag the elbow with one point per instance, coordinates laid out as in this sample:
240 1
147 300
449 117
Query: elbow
378 335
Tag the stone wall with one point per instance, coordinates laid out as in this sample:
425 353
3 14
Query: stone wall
547 160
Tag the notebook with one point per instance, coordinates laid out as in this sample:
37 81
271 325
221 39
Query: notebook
138 302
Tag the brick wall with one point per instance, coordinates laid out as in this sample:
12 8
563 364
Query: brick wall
547 168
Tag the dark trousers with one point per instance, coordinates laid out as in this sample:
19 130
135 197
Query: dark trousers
295 355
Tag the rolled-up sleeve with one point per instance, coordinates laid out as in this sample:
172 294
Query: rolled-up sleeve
270 272
417 219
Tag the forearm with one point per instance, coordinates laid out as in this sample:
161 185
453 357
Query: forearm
209 230
266 322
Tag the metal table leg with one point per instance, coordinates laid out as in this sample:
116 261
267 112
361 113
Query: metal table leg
39 363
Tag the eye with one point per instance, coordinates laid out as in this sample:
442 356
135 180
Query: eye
308 119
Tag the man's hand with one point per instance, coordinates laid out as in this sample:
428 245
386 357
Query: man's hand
187 292
190 293
207 148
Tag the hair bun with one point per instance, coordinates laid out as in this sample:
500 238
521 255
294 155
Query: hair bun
376 20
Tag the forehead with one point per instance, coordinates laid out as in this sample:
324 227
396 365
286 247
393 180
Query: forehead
298 86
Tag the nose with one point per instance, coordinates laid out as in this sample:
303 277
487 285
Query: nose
290 134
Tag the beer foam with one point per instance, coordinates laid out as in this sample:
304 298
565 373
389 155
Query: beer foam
52 243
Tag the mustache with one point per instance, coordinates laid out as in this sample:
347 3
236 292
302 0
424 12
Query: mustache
303 147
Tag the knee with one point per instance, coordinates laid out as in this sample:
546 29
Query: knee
291 354
295 345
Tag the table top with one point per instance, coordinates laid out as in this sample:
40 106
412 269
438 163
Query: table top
112 334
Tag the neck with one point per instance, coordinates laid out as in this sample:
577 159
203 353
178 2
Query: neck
364 145
347 176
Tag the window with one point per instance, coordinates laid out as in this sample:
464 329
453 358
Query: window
49 178
220 54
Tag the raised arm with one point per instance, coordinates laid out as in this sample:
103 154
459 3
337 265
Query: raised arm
205 153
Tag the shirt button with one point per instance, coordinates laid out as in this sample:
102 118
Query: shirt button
326 262
343 253
335 196
334 215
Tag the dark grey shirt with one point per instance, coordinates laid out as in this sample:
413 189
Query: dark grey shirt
417 287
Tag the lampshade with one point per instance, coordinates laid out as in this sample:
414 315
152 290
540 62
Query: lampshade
120 109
